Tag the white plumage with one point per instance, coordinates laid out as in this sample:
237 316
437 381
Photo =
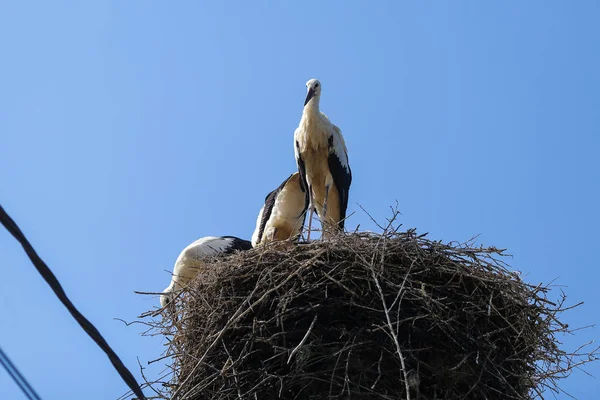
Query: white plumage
322 161
191 260
282 216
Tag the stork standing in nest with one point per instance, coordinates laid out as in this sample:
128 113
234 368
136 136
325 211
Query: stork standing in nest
282 216
322 161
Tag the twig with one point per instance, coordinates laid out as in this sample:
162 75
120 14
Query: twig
303 339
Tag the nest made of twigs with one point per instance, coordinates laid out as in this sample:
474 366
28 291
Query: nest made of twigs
364 316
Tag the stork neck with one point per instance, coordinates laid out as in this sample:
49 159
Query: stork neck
312 108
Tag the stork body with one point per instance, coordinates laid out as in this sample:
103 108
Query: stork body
322 161
283 214
191 260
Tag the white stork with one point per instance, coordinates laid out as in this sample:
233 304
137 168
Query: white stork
282 216
191 260
322 161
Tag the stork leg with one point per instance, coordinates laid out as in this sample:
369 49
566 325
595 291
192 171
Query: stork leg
324 222
310 216
310 212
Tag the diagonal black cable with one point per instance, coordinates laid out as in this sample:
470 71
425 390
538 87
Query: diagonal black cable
87 326
18 377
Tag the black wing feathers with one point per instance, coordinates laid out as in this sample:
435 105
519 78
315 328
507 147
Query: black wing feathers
269 204
301 171
303 183
237 244
306 202
342 178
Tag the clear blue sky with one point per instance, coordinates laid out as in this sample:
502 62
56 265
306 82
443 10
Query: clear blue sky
129 129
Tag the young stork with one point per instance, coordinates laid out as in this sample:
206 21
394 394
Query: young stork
322 161
282 216
191 260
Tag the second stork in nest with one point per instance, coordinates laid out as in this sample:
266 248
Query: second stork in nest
282 216
322 161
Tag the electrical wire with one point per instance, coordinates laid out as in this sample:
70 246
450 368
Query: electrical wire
54 284
19 379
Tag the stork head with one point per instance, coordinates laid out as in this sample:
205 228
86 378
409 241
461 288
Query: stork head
313 88
165 299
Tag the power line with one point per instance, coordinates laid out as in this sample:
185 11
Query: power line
18 377
54 284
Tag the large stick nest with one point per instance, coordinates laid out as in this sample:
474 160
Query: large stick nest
364 316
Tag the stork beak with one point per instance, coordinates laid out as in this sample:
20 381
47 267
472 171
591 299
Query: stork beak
309 95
